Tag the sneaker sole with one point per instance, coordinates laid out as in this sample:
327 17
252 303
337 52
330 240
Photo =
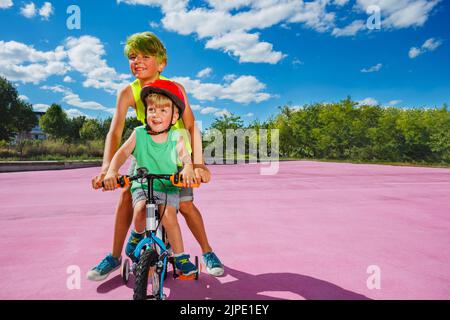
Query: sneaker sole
216 272
103 277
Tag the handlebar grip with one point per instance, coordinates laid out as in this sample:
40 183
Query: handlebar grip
122 182
177 181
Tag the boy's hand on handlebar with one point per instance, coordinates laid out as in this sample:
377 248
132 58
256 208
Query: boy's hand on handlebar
188 176
202 175
97 180
110 181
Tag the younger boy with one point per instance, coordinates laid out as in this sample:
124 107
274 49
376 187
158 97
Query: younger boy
147 59
158 148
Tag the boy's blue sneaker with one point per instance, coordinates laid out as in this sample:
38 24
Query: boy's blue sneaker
183 264
104 268
213 265
133 241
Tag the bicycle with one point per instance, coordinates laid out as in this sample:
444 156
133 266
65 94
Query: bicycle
153 252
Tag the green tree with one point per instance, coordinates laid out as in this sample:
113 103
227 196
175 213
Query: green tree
17 115
225 122
55 122
91 130
130 124
74 127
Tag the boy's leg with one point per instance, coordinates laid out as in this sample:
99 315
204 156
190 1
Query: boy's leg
170 223
173 230
124 215
195 223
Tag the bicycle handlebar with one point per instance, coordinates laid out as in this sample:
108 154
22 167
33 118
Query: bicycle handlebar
176 179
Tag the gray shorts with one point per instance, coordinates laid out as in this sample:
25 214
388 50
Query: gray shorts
173 199
186 194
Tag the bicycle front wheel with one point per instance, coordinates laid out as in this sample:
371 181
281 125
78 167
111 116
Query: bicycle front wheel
145 271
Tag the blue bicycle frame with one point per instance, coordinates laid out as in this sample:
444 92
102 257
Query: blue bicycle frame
153 229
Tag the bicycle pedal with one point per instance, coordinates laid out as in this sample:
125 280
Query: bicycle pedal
189 277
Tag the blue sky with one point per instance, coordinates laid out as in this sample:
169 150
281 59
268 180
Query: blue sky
242 56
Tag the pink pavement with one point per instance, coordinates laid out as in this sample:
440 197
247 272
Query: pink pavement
309 232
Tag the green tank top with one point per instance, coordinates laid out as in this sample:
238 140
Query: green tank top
158 158
140 112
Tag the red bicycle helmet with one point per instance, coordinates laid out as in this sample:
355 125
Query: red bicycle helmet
166 88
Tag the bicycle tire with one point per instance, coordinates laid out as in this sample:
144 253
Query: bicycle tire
148 260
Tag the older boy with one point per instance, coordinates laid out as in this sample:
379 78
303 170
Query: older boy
148 58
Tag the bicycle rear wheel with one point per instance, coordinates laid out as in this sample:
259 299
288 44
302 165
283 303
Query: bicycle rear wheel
145 271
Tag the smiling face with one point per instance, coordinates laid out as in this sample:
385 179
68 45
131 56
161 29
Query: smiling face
159 112
145 67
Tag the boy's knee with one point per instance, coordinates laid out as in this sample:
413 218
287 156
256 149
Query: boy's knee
170 222
139 209
186 207
125 195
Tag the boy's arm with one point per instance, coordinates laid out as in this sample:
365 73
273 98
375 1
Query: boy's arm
189 124
124 101
201 171
118 160
185 158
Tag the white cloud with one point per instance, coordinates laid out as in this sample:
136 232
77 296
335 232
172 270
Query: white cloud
349 30
233 26
229 4
6 4
212 111
86 56
20 62
429 45
233 32
23 63
153 24
73 113
68 79
209 110
223 112
340 2
216 111
195 107
368 101
401 13
73 99
374 68
204 73
40 107
246 46
229 77
244 89
414 52
46 10
249 115
29 10
23 97
394 102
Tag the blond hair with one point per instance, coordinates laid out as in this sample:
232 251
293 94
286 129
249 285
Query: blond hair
158 100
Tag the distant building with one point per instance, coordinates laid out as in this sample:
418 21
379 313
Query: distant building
36 133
